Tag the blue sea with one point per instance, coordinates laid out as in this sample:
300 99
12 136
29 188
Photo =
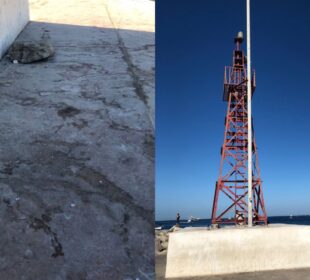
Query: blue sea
297 220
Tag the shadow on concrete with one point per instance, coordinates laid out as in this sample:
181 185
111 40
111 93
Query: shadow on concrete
292 274
295 274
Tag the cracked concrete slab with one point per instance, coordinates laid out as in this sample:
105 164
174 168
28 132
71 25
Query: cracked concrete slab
77 146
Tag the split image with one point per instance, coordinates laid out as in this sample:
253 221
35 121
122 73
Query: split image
98 183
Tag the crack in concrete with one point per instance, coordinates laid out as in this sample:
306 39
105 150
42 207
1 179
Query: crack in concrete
132 69
102 185
114 193
42 224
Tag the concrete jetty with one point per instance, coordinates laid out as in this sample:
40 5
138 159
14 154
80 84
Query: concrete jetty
198 252
77 145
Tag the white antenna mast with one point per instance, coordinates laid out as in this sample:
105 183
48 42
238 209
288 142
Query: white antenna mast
249 89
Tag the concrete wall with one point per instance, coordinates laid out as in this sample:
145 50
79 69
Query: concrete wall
14 15
210 252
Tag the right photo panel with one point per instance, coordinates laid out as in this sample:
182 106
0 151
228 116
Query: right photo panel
232 128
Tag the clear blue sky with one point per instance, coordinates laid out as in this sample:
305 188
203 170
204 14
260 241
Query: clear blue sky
194 41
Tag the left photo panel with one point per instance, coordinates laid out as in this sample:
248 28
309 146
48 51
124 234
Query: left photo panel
77 91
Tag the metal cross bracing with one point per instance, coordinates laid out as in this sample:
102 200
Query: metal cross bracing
232 186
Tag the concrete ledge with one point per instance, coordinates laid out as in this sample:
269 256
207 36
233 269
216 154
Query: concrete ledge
201 252
14 15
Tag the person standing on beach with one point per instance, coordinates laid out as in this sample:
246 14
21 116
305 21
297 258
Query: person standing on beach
178 220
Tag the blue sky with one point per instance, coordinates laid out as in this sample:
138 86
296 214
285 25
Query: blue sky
194 41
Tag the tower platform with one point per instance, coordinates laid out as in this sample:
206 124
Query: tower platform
196 252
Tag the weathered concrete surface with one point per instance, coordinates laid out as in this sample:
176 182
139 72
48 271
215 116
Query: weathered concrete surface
14 15
292 274
77 152
120 15
201 252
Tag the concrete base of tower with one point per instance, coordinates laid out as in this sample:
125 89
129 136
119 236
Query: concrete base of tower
196 252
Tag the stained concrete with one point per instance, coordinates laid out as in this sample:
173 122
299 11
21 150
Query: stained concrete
121 16
200 252
14 15
77 149
292 274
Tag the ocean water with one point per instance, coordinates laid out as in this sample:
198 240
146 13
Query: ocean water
297 220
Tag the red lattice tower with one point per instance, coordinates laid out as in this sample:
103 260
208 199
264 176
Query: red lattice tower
232 186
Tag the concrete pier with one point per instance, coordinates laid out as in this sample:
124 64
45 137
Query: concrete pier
77 145
201 252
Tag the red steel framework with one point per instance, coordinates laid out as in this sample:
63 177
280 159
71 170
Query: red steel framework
232 185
